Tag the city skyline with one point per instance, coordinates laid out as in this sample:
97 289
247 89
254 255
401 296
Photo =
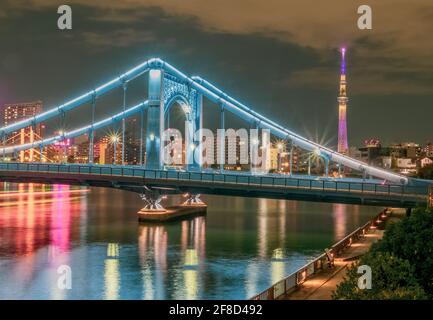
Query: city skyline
198 150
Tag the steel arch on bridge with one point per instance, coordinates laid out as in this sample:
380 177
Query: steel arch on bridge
165 90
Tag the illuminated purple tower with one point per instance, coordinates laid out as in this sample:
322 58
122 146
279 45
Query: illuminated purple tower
342 105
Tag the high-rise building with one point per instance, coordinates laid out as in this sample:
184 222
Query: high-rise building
108 150
15 112
371 152
82 152
102 151
61 151
132 142
273 162
428 150
235 151
342 106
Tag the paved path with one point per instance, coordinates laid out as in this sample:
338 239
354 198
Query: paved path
321 286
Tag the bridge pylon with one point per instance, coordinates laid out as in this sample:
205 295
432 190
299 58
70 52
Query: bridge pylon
155 125
164 90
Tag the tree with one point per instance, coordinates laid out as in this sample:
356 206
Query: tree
411 239
426 172
392 278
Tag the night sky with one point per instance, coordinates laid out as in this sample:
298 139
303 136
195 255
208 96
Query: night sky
279 57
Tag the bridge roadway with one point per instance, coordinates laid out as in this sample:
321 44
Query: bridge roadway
276 186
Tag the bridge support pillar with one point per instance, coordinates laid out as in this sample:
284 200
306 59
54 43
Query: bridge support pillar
91 131
125 88
193 200
196 135
326 167
155 212
291 159
152 200
155 120
4 146
222 141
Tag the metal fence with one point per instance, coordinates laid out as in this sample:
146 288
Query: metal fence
368 188
294 280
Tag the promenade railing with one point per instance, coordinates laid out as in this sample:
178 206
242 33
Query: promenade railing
294 280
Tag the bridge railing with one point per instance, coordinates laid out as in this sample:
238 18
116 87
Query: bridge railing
294 280
227 178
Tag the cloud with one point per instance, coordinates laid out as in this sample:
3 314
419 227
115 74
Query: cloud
324 24
372 81
393 57
311 22
120 38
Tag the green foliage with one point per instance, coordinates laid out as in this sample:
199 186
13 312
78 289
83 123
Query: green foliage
401 263
426 172
392 278
412 239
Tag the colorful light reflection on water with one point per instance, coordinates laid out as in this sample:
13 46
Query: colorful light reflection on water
240 248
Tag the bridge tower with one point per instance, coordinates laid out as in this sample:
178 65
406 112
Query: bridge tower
155 117
342 106
165 89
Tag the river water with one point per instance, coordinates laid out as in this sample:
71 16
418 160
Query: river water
52 234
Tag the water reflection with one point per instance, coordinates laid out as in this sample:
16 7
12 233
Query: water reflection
263 228
111 272
31 212
277 265
35 234
339 221
153 252
241 247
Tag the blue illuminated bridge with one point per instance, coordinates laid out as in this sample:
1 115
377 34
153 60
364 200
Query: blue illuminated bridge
167 86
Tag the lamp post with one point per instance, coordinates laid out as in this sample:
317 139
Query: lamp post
114 140
318 153
280 148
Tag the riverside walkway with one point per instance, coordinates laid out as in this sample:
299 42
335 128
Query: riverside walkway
322 285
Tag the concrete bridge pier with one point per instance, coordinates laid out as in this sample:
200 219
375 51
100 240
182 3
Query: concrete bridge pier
152 200
193 200
153 211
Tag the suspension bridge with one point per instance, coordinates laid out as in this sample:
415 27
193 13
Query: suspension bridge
167 86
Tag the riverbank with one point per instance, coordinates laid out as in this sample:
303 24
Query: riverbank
319 278
321 286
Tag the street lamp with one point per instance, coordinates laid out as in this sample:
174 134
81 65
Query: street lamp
280 147
114 139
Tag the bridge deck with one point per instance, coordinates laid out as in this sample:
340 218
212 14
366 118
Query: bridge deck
133 178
